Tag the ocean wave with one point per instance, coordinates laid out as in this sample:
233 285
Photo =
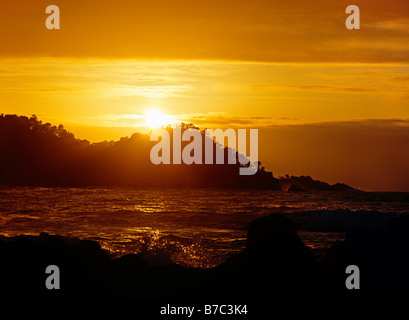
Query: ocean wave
342 219
158 250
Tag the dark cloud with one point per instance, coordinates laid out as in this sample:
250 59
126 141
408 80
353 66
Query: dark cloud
370 154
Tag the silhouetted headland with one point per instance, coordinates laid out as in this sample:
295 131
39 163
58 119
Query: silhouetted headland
306 183
39 154
275 265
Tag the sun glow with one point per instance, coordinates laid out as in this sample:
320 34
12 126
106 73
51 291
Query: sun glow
155 118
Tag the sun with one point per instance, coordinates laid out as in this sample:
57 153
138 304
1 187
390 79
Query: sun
155 118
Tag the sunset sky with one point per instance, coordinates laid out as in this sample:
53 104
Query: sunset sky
328 102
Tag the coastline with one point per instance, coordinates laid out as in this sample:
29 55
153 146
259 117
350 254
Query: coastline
274 258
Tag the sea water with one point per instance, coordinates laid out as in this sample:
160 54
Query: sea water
190 227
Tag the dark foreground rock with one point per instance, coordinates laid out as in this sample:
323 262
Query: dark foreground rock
382 256
275 265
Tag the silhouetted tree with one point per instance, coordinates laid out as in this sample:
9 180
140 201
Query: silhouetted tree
38 154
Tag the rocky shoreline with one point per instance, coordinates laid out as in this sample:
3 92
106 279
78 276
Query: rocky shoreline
275 265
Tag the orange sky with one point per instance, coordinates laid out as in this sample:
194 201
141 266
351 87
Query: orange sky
284 67
259 30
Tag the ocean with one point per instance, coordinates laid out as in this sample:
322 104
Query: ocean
191 227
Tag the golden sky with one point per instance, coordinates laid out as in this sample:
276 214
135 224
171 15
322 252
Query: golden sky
272 65
259 30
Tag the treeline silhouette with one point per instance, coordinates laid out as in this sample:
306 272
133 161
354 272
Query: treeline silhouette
33 153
